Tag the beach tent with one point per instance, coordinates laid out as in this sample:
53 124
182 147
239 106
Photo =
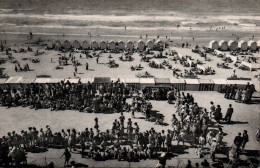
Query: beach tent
252 45
133 82
99 81
141 45
58 45
150 44
112 45
218 82
103 45
159 44
206 85
50 44
232 45
178 83
192 84
27 81
162 82
55 80
130 45
201 67
94 45
14 81
76 44
250 65
42 80
121 45
213 44
85 45
242 45
223 45
74 81
147 82
233 58
85 81
66 45
258 44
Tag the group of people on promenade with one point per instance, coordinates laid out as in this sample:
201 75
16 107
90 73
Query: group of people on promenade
238 94
124 141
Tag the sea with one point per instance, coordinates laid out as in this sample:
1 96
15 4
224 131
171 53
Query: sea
110 16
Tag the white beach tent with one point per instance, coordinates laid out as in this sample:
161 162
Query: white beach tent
57 45
71 80
55 80
223 45
103 45
94 45
242 45
121 45
150 44
133 82
86 80
85 45
159 43
219 53
213 44
232 45
14 81
250 65
26 81
178 83
147 82
76 44
42 80
252 45
233 58
130 45
112 45
67 45
192 84
141 45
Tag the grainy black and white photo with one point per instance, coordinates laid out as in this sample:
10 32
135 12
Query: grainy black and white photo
130 83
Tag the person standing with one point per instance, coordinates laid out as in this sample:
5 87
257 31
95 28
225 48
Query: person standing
97 60
212 109
238 140
229 113
218 114
245 139
67 157
86 66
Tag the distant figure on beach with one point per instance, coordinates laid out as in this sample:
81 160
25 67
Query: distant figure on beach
86 66
125 27
158 36
31 35
146 36
140 36
97 60
193 39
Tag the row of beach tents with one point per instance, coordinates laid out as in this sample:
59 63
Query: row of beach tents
138 83
111 45
234 45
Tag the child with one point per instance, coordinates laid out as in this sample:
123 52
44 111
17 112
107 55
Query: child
67 157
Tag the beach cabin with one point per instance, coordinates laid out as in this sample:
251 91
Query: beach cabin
250 65
101 81
49 44
178 83
258 44
242 45
27 81
112 45
2 82
14 81
192 84
121 45
206 85
252 45
56 80
147 82
141 45
85 45
232 45
130 45
94 45
150 44
213 44
132 83
241 84
86 81
223 45
162 82
103 45
72 81
58 45
66 45
218 83
159 44
76 44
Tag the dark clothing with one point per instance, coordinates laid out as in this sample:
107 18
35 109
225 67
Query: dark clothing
162 161
229 114
238 140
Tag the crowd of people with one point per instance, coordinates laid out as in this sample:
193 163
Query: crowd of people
238 94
